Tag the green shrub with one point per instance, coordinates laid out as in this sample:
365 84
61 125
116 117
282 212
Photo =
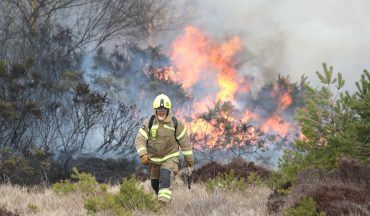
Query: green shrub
25 169
84 183
33 208
64 186
17 168
255 180
335 125
131 197
105 202
306 207
280 182
103 187
227 182
230 182
97 198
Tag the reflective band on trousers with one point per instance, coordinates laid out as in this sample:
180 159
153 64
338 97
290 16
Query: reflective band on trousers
182 134
165 192
141 149
187 152
157 160
143 133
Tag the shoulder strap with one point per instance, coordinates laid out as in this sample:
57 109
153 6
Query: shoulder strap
150 125
175 124
174 120
151 122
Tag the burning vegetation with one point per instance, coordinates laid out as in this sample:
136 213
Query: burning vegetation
62 105
225 113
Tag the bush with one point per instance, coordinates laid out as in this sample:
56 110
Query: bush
33 208
275 202
106 202
227 182
335 125
105 170
341 191
243 169
306 207
97 198
131 197
84 183
280 183
23 169
64 186
230 182
240 167
208 171
255 180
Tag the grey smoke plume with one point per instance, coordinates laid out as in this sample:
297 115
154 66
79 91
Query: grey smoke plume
291 37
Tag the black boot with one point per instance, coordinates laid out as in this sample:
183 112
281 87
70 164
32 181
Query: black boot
155 185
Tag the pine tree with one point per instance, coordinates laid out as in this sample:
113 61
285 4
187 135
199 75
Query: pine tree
335 124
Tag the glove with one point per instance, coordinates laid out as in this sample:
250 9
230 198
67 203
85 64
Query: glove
144 159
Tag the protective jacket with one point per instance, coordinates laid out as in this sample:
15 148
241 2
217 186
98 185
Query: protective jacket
161 142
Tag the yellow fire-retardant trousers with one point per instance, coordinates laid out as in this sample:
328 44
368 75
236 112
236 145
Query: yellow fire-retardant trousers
161 176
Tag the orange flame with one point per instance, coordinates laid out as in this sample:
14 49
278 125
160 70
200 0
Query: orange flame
189 53
199 60
222 60
164 73
283 95
198 57
286 100
277 125
249 115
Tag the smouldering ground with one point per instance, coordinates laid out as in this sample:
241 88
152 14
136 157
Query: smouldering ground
43 201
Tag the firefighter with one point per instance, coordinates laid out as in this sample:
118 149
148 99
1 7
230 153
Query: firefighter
158 142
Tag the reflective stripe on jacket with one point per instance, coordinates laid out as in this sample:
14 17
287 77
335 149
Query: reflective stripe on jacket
160 143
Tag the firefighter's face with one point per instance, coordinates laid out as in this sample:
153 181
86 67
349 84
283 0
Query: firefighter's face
161 113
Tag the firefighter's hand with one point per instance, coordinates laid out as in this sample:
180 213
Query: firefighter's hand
144 159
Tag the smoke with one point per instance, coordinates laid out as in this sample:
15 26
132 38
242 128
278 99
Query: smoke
279 37
292 37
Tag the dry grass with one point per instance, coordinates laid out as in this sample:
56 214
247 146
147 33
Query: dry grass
40 201
185 202
197 201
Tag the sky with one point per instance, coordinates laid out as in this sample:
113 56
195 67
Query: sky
291 37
